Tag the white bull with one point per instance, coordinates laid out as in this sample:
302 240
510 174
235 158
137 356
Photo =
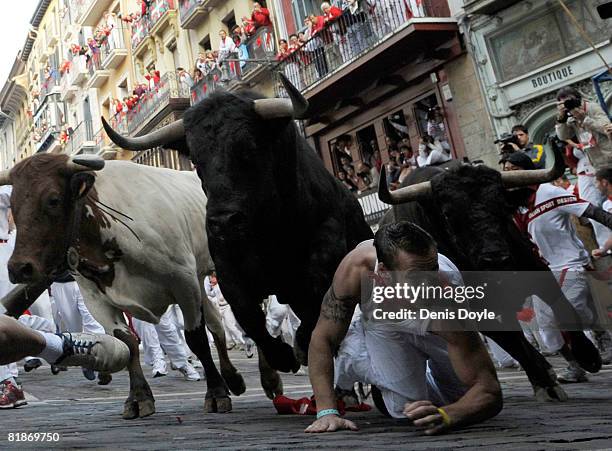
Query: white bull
136 247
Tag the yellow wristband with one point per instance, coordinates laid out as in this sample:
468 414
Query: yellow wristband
446 419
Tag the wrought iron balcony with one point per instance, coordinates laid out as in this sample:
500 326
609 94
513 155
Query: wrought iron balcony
142 28
89 12
194 11
97 75
81 139
256 53
112 50
169 92
163 158
353 37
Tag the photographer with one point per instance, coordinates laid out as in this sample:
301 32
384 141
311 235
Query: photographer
587 122
519 141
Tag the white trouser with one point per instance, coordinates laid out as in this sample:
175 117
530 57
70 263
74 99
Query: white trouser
33 322
161 336
71 314
587 190
404 366
42 307
280 320
233 332
499 354
575 287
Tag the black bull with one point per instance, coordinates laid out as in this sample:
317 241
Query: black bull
469 214
277 221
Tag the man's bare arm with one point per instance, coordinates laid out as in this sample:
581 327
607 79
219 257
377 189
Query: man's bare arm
475 369
335 318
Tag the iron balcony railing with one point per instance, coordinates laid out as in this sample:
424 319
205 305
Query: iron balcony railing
152 101
186 7
50 83
163 158
142 27
258 50
94 63
81 134
114 41
350 36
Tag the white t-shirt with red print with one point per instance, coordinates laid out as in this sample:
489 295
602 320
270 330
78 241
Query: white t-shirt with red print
549 224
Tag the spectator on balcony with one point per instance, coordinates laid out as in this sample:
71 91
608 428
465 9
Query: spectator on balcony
376 159
197 75
330 13
240 40
288 54
431 152
368 175
200 62
117 107
95 52
260 16
184 77
357 29
388 15
248 26
315 45
153 78
139 90
111 26
227 49
145 6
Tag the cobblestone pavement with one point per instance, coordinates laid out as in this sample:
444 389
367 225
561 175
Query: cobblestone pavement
86 415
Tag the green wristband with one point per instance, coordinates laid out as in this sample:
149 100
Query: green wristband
322 413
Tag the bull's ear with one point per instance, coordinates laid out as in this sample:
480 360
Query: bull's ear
81 183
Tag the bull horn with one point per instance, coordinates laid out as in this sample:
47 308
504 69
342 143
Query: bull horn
165 135
296 106
5 177
517 179
401 195
80 163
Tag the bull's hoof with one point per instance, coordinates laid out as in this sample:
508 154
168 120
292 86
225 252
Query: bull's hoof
272 384
104 378
281 357
235 382
218 405
585 352
554 393
138 409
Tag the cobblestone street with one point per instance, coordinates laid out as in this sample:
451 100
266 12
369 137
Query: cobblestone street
88 416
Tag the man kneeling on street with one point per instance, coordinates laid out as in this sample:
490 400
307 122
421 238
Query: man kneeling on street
420 369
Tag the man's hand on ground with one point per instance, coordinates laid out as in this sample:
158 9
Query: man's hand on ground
425 414
331 423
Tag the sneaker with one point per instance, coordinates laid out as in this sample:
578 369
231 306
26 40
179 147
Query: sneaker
573 374
11 396
159 369
32 364
194 362
89 374
189 373
248 349
99 352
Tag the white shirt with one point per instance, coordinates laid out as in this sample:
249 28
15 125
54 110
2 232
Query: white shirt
5 204
551 229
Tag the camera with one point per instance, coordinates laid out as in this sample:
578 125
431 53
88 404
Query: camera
572 103
506 139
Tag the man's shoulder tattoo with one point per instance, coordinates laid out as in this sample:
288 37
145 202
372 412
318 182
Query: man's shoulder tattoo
338 308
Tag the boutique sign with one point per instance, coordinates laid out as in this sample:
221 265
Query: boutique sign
555 76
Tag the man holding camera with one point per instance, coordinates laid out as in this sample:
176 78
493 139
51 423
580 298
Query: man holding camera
519 141
584 126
